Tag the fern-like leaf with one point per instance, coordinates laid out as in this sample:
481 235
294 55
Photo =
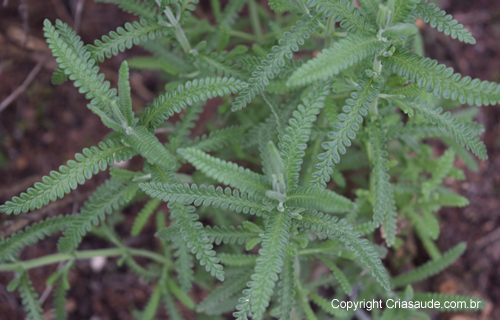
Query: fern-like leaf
339 275
230 287
58 76
218 139
227 172
196 240
426 73
403 11
238 260
55 186
430 268
143 216
443 167
207 196
286 293
271 65
297 133
151 308
347 125
30 299
456 130
319 199
345 11
184 264
106 199
124 38
320 222
73 57
229 235
188 94
444 22
9 247
370 9
269 263
326 305
218 63
145 143
231 11
124 94
384 205
340 56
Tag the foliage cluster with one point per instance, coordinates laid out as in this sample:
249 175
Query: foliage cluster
268 200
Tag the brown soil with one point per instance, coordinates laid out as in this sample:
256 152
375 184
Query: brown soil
46 125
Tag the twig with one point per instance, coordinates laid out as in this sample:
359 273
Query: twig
31 76
78 14
490 237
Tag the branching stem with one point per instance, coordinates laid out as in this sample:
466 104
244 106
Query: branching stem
81 255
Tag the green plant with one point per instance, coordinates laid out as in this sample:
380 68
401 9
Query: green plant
366 101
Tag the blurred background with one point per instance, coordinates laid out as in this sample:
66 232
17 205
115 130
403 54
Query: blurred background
42 126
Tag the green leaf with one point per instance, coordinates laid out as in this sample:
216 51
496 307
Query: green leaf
237 260
228 289
208 196
227 172
143 216
320 199
74 58
339 275
30 299
192 92
430 268
326 305
384 205
404 11
444 22
145 143
269 263
231 235
297 133
124 94
9 247
124 38
348 123
196 239
286 293
333 60
184 264
456 130
349 16
106 199
55 186
440 80
270 66
218 139
370 9
149 312
320 222
444 165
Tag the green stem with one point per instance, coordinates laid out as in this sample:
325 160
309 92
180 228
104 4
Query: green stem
81 255
179 33
254 20
242 35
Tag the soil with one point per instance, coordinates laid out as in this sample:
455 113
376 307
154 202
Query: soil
46 125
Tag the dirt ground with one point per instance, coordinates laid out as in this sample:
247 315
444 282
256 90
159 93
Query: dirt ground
46 125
